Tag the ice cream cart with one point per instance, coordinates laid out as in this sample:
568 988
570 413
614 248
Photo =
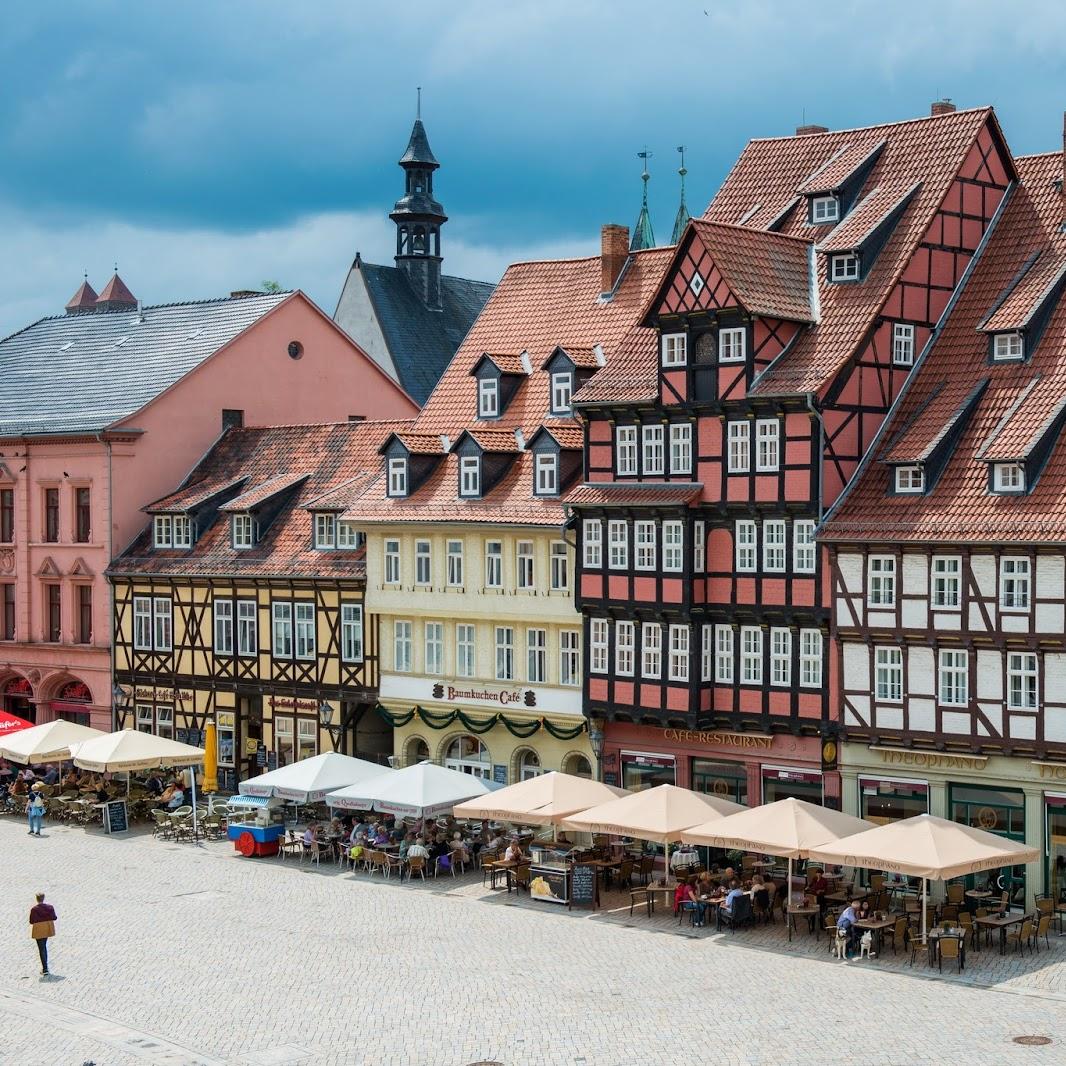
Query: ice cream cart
256 824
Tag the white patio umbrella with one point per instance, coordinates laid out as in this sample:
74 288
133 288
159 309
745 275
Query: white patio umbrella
309 780
542 800
420 791
43 743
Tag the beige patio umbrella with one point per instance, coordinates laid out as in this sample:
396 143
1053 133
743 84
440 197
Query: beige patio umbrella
790 828
543 800
928 847
44 743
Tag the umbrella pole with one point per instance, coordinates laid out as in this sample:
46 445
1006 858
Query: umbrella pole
666 871
788 896
195 830
925 937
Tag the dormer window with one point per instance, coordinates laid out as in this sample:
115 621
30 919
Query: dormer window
844 267
470 476
348 537
243 531
562 389
488 398
824 209
910 479
547 475
398 476
162 531
1008 478
675 349
1007 347
325 531
731 345
182 531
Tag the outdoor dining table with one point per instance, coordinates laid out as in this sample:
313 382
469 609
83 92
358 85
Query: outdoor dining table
877 926
657 888
503 867
803 912
934 938
1001 922
847 897
978 895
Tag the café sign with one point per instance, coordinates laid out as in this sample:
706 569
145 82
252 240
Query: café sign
449 693
719 740
930 760
163 695
290 703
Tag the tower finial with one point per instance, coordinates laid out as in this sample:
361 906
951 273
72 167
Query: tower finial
682 219
643 236
418 106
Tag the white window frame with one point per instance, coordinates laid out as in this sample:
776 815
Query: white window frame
804 546
423 563
243 531
902 344
142 623
1008 347
811 651
624 648
680 646
351 633
182 531
1015 583
699 547
402 646
162 623
681 448
674 349
888 674
222 616
953 677
164 722
599 640
707 652
653 454
732 345
1023 681
546 474
247 628
645 545
625 450
751 655
162 531
739 453
673 547
433 648
910 480
504 644
559 566
881 590
398 476
618 544
592 543
825 209
537 656
774 541
844 267
304 624
724 641
488 397
569 657
348 535
325 530
465 649
525 569
469 475
454 560
391 562
745 546
767 445
562 388
494 564
651 650
281 642
946 579
1008 478
781 657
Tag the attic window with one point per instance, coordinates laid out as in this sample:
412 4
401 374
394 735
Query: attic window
1008 478
547 475
488 398
398 477
162 531
348 536
824 209
675 349
910 479
243 531
1007 347
562 389
325 530
470 476
182 531
903 344
844 267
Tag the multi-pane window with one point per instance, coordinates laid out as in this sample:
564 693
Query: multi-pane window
455 563
902 344
536 656
699 547
707 653
910 480
947 578
223 615
768 443
1006 346
182 531
731 345
673 546
325 530
1014 584
423 562
681 448
242 528
1021 681
804 549
145 718
592 543
162 531
723 654
739 447
493 564
434 647
392 562
773 545
569 657
888 674
1008 477
504 653
306 738
82 515
624 640
247 627
882 583
470 475
54 618
142 623
305 630
398 476
675 349
281 619
562 389
7 611
51 515
680 637
351 632
644 545
750 655
488 398
84 634
844 268
546 470
524 564
7 516
811 658
162 623
745 545
284 742
348 536
598 633
953 679
625 450
780 656
651 645
653 449
164 722
618 542
402 646
464 649
560 568
824 209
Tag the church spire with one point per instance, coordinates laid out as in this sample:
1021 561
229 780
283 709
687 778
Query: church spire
682 219
643 236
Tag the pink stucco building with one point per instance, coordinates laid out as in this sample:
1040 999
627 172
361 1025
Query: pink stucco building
106 408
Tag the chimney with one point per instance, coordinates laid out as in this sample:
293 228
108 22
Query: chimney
806 131
942 107
614 250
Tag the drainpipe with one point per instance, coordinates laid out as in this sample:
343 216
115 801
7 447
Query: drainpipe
110 585
821 452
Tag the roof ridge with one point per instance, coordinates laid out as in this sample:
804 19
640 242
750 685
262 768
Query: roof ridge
755 229
986 108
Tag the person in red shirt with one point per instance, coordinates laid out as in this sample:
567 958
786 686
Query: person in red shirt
818 887
42 926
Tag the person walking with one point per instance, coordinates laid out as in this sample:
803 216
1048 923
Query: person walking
42 926
35 811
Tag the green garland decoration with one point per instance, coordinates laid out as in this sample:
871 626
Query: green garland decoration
522 728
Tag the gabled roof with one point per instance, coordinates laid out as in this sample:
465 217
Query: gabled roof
502 441
628 494
194 495
877 208
584 357
841 166
568 436
1026 421
946 409
263 492
1025 299
417 443
506 363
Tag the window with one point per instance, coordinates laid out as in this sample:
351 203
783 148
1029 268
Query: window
652 439
398 476
844 268
162 627
488 398
745 546
707 653
618 542
723 654
811 658
524 564
562 390
281 646
882 591
731 345
773 545
82 516
1007 346
888 674
247 627
348 536
7 516
1014 584
469 756
164 722
750 655
673 546
351 632
464 649
651 643
536 656
768 438
598 645
306 738
547 474
699 547
85 614
824 209
284 741
804 549
162 531
423 562
1008 477
625 448
953 682
223 615
592 543
679 652
51 515
182 531
242 527
644 545
305 630
947 573
7 611
1021 681
739 447
902 344
434 647
560 576
910 479
142 623
401 647
493 564
469 475
569 657
325 531
145 718
624 638
392 562
455 563
681 448
675 349
781 657
504 653
529 765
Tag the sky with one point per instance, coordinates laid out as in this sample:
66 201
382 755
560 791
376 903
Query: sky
209 146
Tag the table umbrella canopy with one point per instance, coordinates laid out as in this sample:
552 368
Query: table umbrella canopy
419 791
309 780
789 828
542 800
926 846
129 749
41 743
11 723
660 814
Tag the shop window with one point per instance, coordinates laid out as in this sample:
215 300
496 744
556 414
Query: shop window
415 751
883 801
528 765
780 783
306 738
284 741
578 766
727 780
640 771
469 756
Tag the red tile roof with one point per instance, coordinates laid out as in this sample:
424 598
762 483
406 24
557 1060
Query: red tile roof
631 375
945 408
568 437
493 440
507 364
841 165
194 495
1027 420
626 493
260 493
1025 297
584 358
84 299
868 214
420 443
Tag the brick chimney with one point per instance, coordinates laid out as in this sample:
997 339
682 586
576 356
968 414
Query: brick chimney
942 107
806 131
614 250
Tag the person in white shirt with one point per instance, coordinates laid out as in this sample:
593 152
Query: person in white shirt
418 850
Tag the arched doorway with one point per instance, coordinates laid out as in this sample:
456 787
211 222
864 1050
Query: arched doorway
577 764
527 764
416 750
17 696
72 701
469 755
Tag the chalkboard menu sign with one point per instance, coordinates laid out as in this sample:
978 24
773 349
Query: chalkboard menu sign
261 754
583 887
116 817
499 773
181 736
610 779
227 780
196 737
272 760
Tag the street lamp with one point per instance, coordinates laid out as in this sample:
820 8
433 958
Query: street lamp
120 701
596 739
325 716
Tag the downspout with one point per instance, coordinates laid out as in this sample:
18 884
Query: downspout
817 415
110 584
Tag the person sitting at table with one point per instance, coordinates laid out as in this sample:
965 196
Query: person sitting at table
358 846
734 893
381 835
863 910
457 846
495 841
357 833
818 887
706 883
177 797
513 852
309 834
847 921
51 775
101 794
405 846
19 787
154 785
418 849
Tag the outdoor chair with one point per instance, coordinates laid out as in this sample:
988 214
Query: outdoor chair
741 915
899 935
646 869
1004 903
313 853
624 877
829 927
416 865
639 895
950 948
956 894
522 875
949 912
876 882
968 928
444 862
164 827
918 946
392 862
691 909
488 859
1023 937
291 845
1042 926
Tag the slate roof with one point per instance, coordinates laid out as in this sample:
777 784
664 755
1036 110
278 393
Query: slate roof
1012 413
85 372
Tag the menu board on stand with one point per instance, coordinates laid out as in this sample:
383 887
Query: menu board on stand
584 886
116 816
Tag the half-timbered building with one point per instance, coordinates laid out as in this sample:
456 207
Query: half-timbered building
788 320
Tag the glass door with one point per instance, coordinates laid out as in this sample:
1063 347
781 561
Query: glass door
1000 811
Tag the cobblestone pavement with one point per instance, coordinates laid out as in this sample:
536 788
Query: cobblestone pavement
193 956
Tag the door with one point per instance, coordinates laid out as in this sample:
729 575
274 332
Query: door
1000 811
